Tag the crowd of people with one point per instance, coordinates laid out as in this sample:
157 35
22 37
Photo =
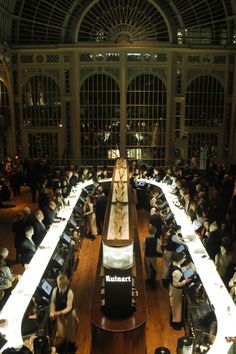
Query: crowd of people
207 198
49 191
211 208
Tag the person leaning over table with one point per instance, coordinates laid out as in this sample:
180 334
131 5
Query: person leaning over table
63 312
177 282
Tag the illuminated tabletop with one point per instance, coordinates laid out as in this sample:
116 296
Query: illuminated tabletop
16 305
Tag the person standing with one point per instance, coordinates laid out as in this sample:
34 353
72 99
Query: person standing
18 228
177 282
100 208
88 211
223 259
63 312
151 252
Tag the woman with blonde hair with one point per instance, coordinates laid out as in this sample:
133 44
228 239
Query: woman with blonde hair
63 311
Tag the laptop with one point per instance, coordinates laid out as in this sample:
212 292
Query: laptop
46 287
188 273
66 238
180 249
73 223
59 259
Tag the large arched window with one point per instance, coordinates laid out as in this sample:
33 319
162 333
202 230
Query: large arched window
146 118
4 106
41 102
44 145
99 118
123 21
204 103
203 146
5 121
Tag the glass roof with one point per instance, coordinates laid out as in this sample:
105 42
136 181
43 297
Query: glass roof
201 22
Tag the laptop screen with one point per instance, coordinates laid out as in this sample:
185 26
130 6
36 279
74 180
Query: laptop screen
59 260
73 223
66 238
188 273
82 199
46 287
180 249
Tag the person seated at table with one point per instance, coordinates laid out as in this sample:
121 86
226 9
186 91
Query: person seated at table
74 179
39 227
192 211
156 174
28 247
50 214
59 199
169 178
65 188
186 202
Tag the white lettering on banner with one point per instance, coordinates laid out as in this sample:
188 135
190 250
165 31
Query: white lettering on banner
116 279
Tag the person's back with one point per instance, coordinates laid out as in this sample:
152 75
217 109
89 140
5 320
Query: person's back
213 241
43 198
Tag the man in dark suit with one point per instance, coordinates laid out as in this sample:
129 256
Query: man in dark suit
39 228
101 202
28 245
28 216
156 220
50 214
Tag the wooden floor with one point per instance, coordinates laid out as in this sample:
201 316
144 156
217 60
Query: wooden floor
158 332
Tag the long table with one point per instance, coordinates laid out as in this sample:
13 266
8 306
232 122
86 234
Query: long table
224 307
16 306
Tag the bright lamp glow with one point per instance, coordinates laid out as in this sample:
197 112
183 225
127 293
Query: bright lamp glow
118 257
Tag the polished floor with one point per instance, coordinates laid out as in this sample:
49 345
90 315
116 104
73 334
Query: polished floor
158 331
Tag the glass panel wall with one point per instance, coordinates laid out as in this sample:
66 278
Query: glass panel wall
99 118
43 145
5 121
146 118
204 103
41 102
